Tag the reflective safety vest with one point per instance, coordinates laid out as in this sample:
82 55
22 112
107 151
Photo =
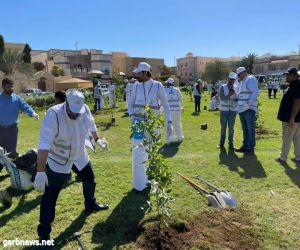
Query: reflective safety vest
173 98
244 96
142 99
229 104
62 152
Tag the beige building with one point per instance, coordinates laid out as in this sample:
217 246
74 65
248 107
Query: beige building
122 63
275 65
191 68
15 46
119 62
155 63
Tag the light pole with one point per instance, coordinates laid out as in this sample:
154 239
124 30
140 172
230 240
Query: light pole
76 43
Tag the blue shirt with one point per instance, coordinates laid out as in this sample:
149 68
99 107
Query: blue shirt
10 105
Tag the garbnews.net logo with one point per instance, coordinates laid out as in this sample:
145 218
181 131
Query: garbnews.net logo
18 242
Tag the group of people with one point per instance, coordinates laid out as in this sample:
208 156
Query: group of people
273 86
240 97
99 96
68 124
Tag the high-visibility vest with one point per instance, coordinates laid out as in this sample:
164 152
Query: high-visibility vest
244 96
173 98
142 99
229 104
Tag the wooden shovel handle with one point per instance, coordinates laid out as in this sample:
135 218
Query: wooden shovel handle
193 184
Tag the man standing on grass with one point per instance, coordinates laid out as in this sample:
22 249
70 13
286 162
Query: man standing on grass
176 107
228 110
247 108
97 97
62 139
289 115
10 105
151 93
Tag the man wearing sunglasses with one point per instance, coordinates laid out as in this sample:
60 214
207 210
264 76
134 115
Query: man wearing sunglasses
247 108
62 139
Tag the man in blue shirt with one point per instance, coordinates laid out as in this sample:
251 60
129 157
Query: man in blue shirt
10 105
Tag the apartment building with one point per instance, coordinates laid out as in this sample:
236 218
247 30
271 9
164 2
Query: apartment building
191 68
275 65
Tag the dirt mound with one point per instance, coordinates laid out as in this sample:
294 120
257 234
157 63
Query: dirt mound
224 229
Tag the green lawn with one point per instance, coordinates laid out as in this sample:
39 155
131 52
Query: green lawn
268 191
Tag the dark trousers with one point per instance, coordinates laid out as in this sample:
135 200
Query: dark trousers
56 182
274 92
269 92
9 138
248 125
97 104
197 103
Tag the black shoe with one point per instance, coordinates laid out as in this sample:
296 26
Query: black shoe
96 207
44 237
240 150
231 146
249 151
220 147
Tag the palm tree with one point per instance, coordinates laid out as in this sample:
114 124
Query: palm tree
248 62
11 59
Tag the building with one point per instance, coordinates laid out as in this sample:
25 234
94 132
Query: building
119 62
79 62
155 63
15 46
122 63
191 68
275 65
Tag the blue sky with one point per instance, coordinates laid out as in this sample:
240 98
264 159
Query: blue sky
157 28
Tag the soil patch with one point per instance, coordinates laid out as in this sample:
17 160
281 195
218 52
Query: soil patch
212 228
264 133
105 125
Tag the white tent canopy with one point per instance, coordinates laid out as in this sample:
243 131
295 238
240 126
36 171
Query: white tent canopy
96 72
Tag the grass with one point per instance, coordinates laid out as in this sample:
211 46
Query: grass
270 192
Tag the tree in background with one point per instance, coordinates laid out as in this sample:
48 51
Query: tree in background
248 62
26 55
215 71
11 59
165 71
2 49
38 66
117 79
57 71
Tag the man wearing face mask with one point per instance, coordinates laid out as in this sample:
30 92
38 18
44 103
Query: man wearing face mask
151 93
62 139
10 105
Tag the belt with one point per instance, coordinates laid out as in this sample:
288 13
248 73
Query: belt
8 126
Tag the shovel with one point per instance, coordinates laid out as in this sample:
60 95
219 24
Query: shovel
226 195
214 199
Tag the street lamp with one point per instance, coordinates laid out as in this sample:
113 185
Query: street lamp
76 57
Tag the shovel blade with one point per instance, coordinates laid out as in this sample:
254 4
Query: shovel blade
216 201
229 199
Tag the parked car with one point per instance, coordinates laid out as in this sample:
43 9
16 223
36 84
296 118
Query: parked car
34 92
104 89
